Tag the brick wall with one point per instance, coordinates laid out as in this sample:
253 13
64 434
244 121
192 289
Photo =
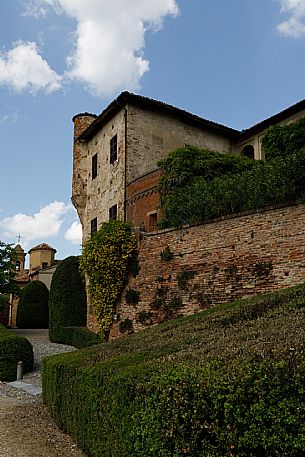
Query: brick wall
215 263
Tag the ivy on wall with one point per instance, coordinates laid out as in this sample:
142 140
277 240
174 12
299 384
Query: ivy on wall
106 260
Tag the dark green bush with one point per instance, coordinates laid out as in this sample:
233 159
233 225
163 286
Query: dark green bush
79 337
12 350
67 302
205 385
132 296
283 140
268 183
33 309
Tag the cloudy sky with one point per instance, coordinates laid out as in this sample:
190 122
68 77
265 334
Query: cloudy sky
235 62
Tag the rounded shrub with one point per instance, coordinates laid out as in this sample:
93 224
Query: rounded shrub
67 302
33 309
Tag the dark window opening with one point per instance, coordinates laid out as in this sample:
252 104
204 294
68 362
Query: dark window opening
17 265
93 226
94 166
113 213
248 151
113 149
44 264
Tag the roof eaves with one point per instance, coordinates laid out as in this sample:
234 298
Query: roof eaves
275 119
154 105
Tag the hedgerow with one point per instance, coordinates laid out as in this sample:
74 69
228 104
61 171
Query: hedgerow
12 350
106 259
226 381
278 181
67 301
33 308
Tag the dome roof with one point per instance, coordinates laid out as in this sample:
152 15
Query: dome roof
42 247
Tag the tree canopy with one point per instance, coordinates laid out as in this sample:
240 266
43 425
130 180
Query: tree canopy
7 272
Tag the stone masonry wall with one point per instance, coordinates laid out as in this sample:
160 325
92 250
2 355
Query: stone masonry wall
215 263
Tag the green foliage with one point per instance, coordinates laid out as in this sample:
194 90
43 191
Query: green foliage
166 254
12 350
33 309
145 317
183 164
126 326
183 277
226 381
67 301
106 261
267 183
132 296
7 272
79 337
281 141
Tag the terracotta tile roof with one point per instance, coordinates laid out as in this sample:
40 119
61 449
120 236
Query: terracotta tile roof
42 247
153 105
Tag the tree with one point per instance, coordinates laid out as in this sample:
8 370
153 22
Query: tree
7 272
33 308
67 301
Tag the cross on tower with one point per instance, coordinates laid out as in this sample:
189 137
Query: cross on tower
19 238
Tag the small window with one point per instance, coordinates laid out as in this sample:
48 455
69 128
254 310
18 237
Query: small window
44 264
93 226
113 149
113 213
94 166
17 265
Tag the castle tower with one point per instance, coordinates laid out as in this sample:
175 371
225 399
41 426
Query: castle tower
41 256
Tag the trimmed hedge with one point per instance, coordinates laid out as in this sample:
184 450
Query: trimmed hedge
79 337
67 301
226 381
33 309
12 350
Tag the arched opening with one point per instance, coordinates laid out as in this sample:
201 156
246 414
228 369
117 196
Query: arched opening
17 265
248 151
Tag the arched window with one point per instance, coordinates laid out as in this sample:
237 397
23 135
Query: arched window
17 265
248 151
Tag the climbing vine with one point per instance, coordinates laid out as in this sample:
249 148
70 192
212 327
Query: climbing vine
106 260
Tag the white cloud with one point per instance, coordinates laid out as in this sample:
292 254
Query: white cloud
294 26
22 68
74 233
110 39
43 224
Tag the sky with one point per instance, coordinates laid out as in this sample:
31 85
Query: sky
234 62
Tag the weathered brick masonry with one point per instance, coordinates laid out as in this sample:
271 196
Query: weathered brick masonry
215 263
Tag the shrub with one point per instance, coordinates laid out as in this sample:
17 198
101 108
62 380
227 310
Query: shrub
106 260
67 303
166 254
12 350
33 310
79 337
281 141
201 385
268 183
132 296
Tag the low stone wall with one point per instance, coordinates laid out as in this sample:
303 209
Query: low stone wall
215 262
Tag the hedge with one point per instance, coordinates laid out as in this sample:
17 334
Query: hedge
279 181
226 381
12 350
33 310
79 337
67 301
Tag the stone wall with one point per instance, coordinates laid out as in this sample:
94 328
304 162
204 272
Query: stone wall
215 263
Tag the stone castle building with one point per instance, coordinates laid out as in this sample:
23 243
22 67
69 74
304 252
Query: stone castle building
115 155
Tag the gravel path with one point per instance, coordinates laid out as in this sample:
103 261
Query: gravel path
26 428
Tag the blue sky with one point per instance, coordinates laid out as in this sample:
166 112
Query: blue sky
235 62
